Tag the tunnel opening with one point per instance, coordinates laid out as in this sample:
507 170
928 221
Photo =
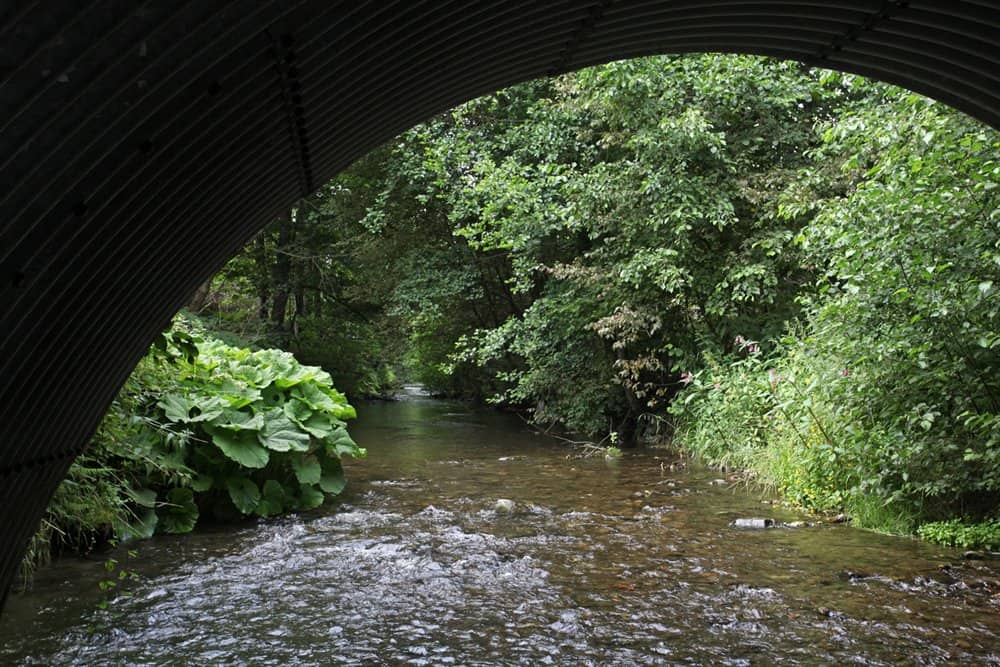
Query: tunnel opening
143 147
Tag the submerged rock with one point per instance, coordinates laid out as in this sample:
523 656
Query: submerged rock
504 506
753 523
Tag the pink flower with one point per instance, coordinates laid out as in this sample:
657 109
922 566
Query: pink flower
846 372
686 378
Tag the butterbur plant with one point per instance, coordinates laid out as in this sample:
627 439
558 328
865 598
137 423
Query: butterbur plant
201 428
262 433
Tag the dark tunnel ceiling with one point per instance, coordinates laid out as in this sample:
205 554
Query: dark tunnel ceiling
143 143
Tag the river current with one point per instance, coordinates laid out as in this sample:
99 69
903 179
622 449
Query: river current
631 561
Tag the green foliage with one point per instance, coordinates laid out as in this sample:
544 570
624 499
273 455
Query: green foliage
116 584
638 204
202 427
956 533
884 403
255 426
772 415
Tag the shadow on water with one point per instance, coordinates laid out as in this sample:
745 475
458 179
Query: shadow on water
622 562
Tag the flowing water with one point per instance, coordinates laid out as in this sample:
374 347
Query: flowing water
626 562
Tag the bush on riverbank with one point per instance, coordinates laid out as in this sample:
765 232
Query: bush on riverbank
957 533
884 404
202 428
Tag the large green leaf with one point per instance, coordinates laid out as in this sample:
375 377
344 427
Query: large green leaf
239 420
298 411
138 529
272 396
273 499
179 513
190 408
202 482
244 493
339 443
296 375
281 434
307 468
236 393
314 396
256 375
310 497
142 497
319 426
280 364
240 446
332 481
345 411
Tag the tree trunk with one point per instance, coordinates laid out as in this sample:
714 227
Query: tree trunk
263 275
200 298
281 270
300 301
628 426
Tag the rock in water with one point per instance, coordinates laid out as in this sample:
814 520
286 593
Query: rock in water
753 523
504 506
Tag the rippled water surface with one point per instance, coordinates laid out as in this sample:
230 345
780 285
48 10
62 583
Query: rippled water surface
625 563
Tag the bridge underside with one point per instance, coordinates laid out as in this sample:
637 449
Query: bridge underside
142 144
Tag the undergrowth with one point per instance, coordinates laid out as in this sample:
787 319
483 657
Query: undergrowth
201 428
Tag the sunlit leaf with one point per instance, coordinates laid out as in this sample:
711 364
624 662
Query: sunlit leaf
281 434
241 446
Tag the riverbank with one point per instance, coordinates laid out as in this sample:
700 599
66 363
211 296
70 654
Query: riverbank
794 421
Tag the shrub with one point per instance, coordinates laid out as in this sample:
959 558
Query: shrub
261 433
883 403
201 427
957 533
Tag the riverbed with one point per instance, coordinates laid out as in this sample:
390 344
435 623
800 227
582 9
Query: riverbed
629 561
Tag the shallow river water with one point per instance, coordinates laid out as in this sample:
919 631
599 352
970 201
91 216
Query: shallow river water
625 562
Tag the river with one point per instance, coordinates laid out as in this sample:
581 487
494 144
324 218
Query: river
622 562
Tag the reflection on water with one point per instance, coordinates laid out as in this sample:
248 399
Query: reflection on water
624 563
